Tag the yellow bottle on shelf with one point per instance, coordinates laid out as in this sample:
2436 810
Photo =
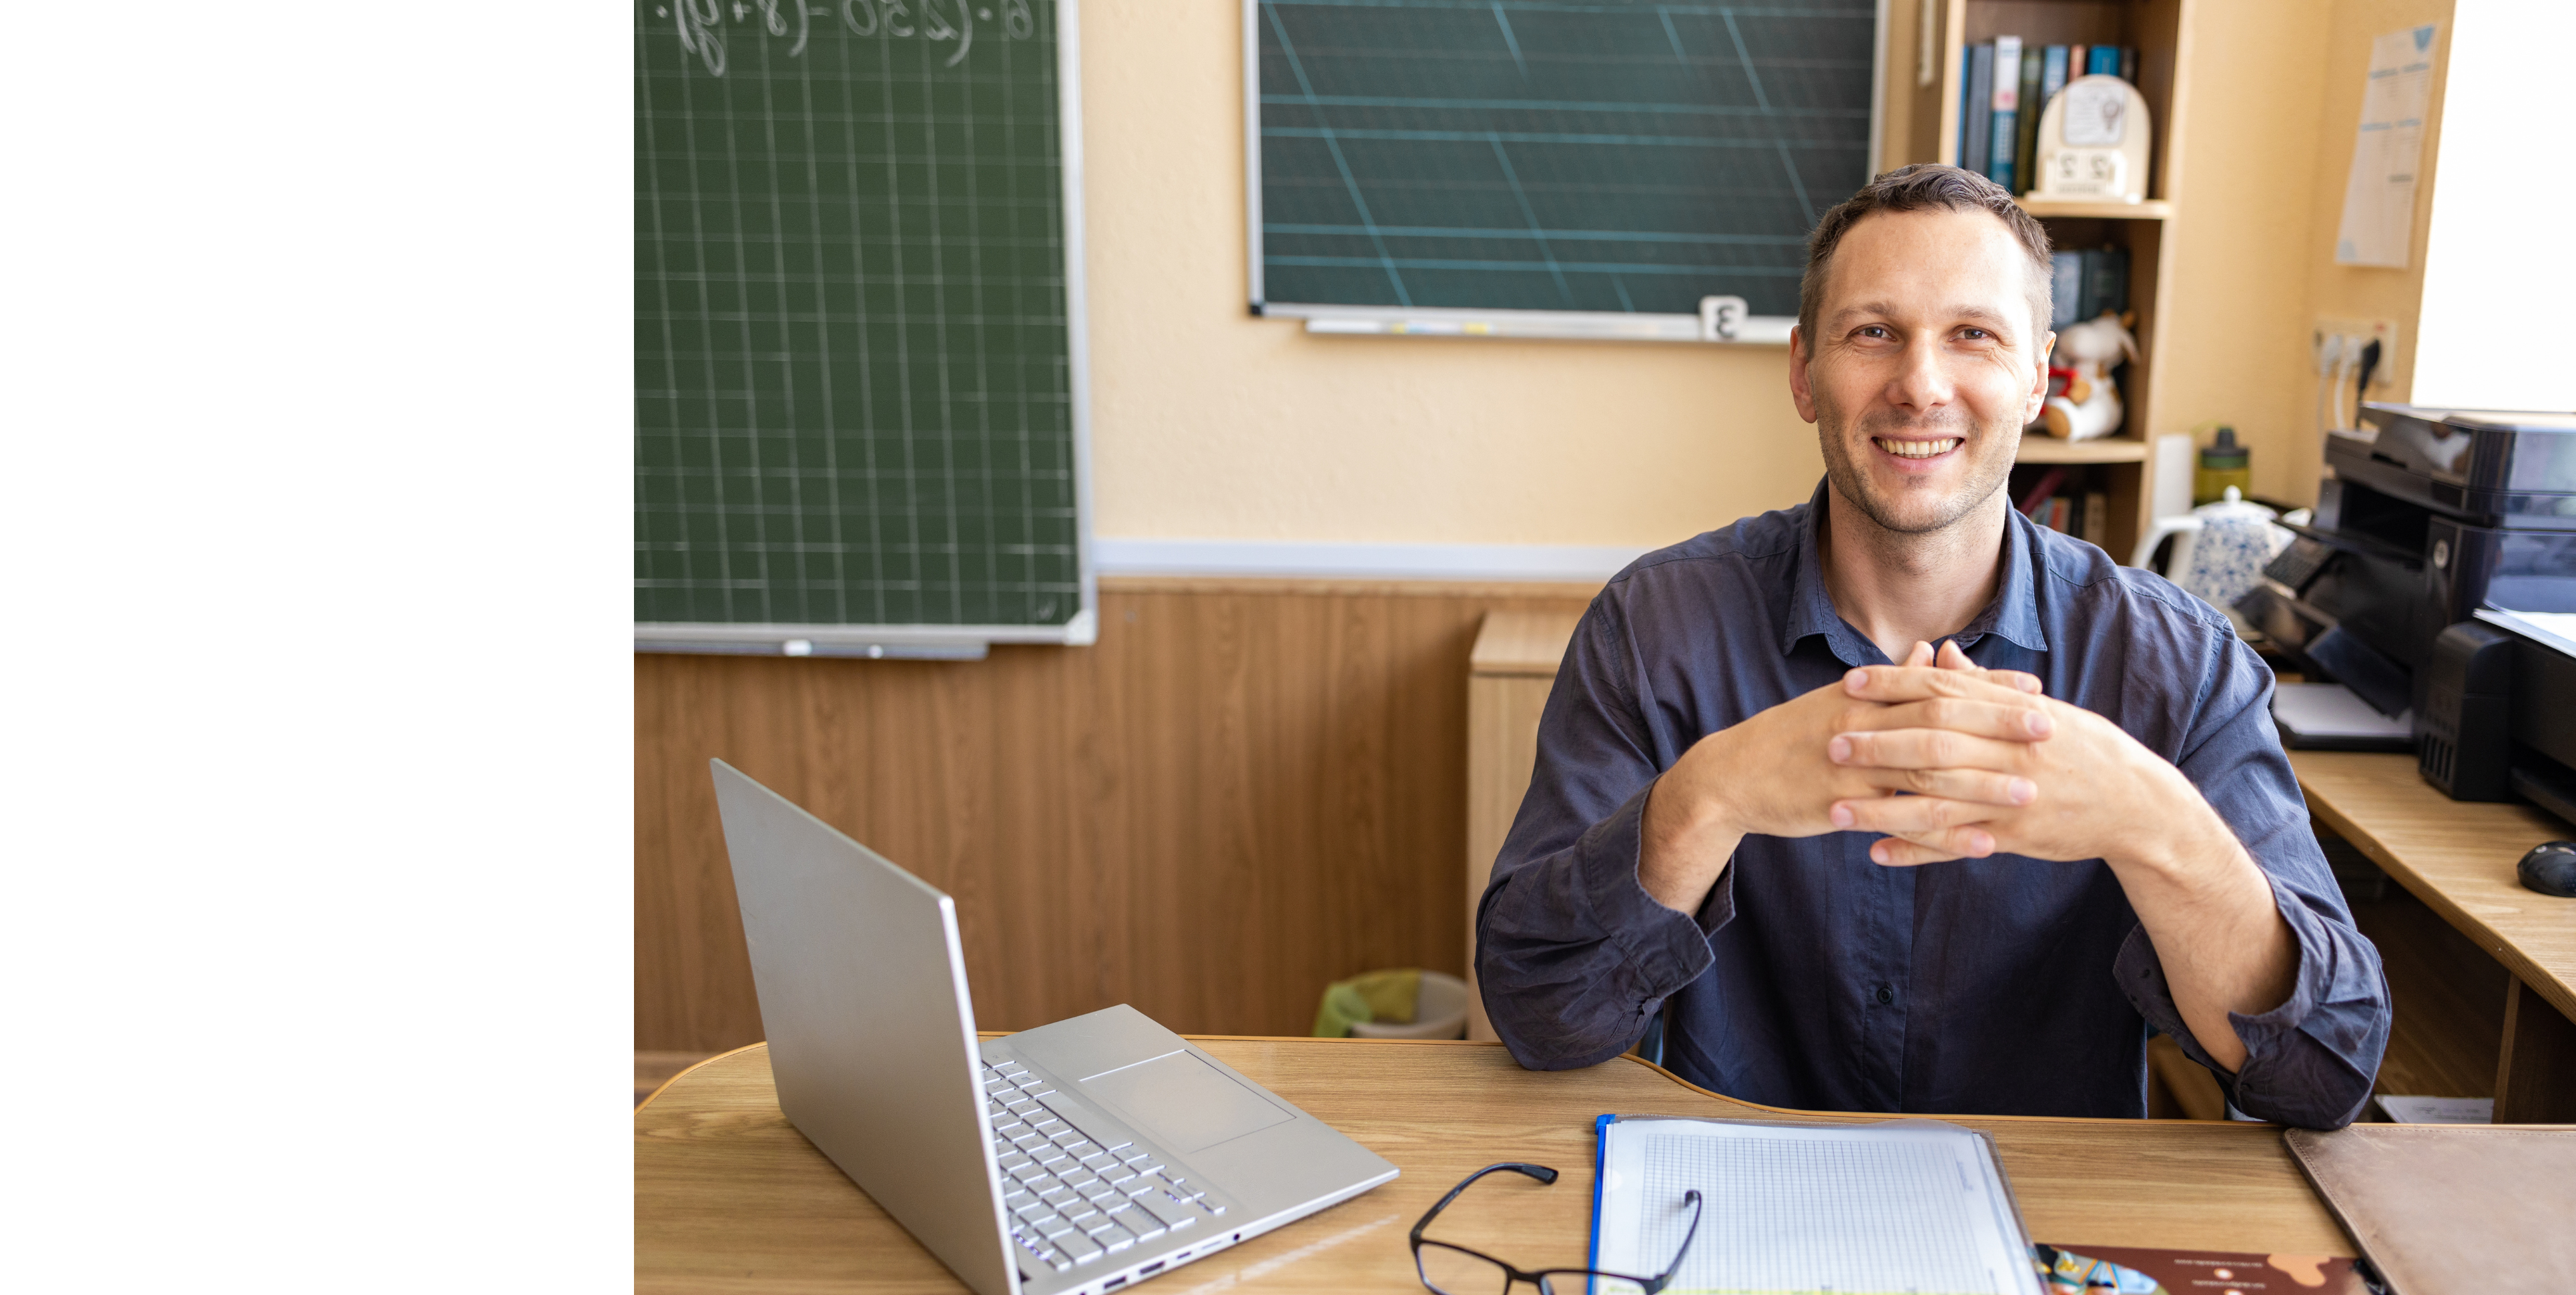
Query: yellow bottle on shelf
2222 464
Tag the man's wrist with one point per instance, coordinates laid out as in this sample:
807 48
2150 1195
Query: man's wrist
1697 805
2189 845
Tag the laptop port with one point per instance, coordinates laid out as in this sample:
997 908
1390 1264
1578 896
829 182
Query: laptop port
1113 1283
1148 1271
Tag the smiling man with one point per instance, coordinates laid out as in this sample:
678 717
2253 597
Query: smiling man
1855 873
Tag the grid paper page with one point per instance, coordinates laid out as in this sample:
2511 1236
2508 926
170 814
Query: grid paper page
1598 155
1878 1210
852 385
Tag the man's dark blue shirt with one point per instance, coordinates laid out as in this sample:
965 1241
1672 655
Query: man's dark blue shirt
1814 978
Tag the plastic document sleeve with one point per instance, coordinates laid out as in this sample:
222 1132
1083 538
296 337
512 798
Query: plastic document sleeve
1903 1207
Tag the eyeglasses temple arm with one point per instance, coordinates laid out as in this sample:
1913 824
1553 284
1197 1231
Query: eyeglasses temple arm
1539 1172
1699 1206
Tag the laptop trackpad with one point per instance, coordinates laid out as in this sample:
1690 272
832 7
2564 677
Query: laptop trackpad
1183 1102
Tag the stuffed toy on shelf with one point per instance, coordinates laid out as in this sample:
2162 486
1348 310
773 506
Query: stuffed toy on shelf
2083 402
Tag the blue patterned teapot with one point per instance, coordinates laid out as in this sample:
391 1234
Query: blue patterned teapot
2220 549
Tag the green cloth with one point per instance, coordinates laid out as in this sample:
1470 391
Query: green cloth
1369 996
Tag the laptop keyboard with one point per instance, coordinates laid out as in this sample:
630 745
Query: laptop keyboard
1071 1198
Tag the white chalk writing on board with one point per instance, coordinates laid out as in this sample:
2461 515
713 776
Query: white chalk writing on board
701 23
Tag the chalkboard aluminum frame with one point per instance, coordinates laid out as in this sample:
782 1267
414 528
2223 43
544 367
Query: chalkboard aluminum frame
1435 321
964 642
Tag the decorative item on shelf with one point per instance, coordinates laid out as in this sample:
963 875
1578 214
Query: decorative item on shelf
2220 549
2093 141
2087 405
2226 469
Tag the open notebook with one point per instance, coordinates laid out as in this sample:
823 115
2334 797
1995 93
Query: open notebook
1906 1207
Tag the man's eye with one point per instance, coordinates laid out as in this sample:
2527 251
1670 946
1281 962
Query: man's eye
1872 330
1975 334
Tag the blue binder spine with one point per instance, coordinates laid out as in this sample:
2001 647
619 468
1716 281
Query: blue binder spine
1600 1162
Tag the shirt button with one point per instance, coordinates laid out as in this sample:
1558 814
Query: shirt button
1885 995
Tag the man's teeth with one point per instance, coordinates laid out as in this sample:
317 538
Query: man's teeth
1917 449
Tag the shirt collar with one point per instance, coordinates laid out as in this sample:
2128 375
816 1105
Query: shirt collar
2014 613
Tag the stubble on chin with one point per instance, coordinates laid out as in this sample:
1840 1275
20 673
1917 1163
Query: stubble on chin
1924 510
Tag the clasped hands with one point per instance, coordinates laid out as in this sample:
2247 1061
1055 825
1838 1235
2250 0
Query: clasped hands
1947 759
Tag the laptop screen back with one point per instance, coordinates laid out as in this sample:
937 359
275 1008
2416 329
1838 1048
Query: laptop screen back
862 986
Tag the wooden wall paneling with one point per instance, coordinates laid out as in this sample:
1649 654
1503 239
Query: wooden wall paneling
1242 792
1510 673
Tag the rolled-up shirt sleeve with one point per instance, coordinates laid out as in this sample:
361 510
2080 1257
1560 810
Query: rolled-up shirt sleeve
2309 1061
1572 955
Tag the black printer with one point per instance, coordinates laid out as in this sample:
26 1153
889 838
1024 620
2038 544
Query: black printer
2426 516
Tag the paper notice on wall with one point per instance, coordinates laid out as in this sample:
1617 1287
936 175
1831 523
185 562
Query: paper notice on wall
2379 199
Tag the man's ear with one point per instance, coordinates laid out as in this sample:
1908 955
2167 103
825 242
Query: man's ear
1800 390
2038 395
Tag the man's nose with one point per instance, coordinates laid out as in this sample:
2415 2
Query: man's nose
1922 380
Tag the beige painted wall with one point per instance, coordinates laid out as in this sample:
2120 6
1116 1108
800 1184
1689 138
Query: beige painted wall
2353 291
1209 423
2236 351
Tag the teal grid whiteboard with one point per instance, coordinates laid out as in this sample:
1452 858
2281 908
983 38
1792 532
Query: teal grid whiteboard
1597 156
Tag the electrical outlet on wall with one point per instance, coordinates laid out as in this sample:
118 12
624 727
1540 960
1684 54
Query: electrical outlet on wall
2340 339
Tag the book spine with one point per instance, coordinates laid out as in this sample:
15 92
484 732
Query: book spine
2065 287
2075 60
2035 502
1980 125
1967 103
2129 64
2026 146
2007 125
2103 60
2107 286
2052 73
2061 515
2096 520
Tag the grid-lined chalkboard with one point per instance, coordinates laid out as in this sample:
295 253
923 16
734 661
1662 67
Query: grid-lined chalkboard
856 380
1545 155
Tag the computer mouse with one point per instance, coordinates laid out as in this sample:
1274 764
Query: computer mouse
2550 868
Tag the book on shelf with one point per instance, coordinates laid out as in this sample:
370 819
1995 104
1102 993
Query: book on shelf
2026 142
2084 283
2052 73
2034 501
2004 86
2056 500
1976 134
2007 115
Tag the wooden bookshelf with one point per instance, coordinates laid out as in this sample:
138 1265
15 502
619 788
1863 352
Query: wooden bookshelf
2038 447
1922 125
2046 208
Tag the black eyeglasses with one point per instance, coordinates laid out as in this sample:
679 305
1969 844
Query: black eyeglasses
1457 1270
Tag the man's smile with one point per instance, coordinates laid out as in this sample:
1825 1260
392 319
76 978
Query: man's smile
1916 449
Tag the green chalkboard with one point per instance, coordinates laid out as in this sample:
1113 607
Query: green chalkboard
1600 156
858 378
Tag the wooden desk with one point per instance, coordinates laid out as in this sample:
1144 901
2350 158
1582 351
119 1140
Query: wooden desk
2458 857
729 1196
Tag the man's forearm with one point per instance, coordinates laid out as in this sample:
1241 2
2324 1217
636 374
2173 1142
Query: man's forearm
1684 844
2211 915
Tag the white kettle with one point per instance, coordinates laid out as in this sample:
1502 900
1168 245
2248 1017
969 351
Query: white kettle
2220 549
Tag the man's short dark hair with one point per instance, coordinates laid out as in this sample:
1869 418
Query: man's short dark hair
1922 186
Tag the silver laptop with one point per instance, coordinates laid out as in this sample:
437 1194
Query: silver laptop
1071 1159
